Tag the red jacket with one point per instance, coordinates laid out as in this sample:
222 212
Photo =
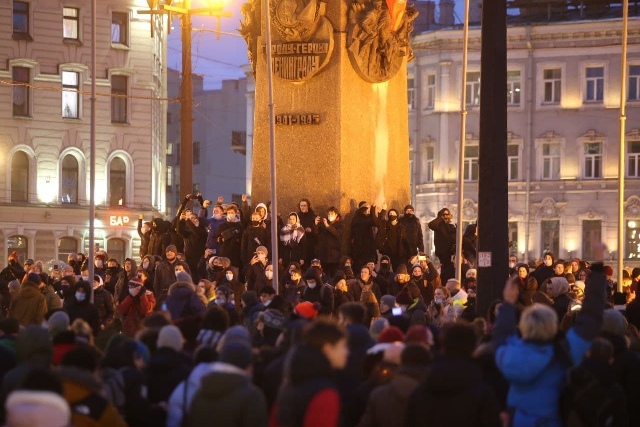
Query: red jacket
134 309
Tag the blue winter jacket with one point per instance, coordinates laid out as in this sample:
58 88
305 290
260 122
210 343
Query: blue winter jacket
534 371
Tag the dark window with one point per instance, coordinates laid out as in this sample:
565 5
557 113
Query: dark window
20 244
20 18
591 233
20 177
66 245
550 236
117 182
239 141
119 99
196 152
116 248
69 187
20 91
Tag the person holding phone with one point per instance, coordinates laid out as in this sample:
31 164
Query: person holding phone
444 235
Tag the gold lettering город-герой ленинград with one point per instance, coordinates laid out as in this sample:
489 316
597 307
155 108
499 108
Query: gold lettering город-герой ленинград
296 61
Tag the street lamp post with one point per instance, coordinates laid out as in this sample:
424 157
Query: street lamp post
186 88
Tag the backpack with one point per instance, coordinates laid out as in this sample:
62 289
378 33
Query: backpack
584 400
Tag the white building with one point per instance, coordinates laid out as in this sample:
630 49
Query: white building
564 74
45 81
219 140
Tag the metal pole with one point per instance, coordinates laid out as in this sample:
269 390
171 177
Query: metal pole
493 231
272 146
92 149
463 133
621 156
186 107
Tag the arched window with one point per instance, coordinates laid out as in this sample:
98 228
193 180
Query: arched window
20 244
20 177
116 248
69 180
66 245
117 182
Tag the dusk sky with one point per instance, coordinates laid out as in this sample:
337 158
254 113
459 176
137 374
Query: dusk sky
218 60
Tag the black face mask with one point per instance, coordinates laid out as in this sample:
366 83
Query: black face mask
471 300
216 268
255 223
384 267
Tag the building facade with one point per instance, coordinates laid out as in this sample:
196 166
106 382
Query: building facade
563 96
45 84
219 140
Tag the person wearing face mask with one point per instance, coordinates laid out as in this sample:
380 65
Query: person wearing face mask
309 221
362 242
194 233
440 310
212 266
223 294
99 264
128 272
135 307
444 235
341 293
426 287
166 274
79 306
144 232
294 286
149 265
329 244
294 240
255 272
51 297
385 273
545 270
254 236
229 237
212 224
469 243
64 285
394 239
231 281
316 291
411 224
72 260
159 238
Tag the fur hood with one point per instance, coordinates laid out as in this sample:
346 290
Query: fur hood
178 285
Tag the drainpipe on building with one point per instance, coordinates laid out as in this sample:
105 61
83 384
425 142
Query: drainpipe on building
621 149
529 143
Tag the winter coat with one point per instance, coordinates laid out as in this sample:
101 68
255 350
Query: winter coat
626 368
103 300
229 237
164 278
414 233
160 237
387 404
195 239
416 313
144 240
329 246
526 287
251 239
534 392
361 240
395 246
121 289
166 369
228 394
211 225
308 222
83 309
84 394
51 297
309 396
444 238
542 273
355 289
322 294
134 309
182 396
453 394
182 301
30 306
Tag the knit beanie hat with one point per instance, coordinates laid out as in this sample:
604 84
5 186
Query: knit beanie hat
338 276
306 309
402 269
273 319
237 333
58 322
389 300
614 322
262 249
377 326
403 298
170 336
171 248
135 282
237 353
34 408
34 278
183 276
391 334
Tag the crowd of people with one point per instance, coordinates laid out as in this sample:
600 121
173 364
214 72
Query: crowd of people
362 328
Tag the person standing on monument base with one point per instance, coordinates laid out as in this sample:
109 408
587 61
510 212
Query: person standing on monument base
413 227
309 222
444 236
362 239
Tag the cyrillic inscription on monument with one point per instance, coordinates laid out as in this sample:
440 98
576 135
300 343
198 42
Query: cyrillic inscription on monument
303 39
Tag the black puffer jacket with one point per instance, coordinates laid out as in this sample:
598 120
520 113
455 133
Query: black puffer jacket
103 300
83 309
182 301
195 238
159 238
414 232
329 247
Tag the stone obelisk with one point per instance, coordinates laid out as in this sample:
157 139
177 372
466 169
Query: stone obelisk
340 100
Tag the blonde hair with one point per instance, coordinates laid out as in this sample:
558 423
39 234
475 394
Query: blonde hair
538 322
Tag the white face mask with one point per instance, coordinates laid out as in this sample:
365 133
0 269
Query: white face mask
80 296
85 278
99 264
135 291
269 274
548 262
229 276
145 265
231 218
219 301
512 265
311 284
217 216
438 301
